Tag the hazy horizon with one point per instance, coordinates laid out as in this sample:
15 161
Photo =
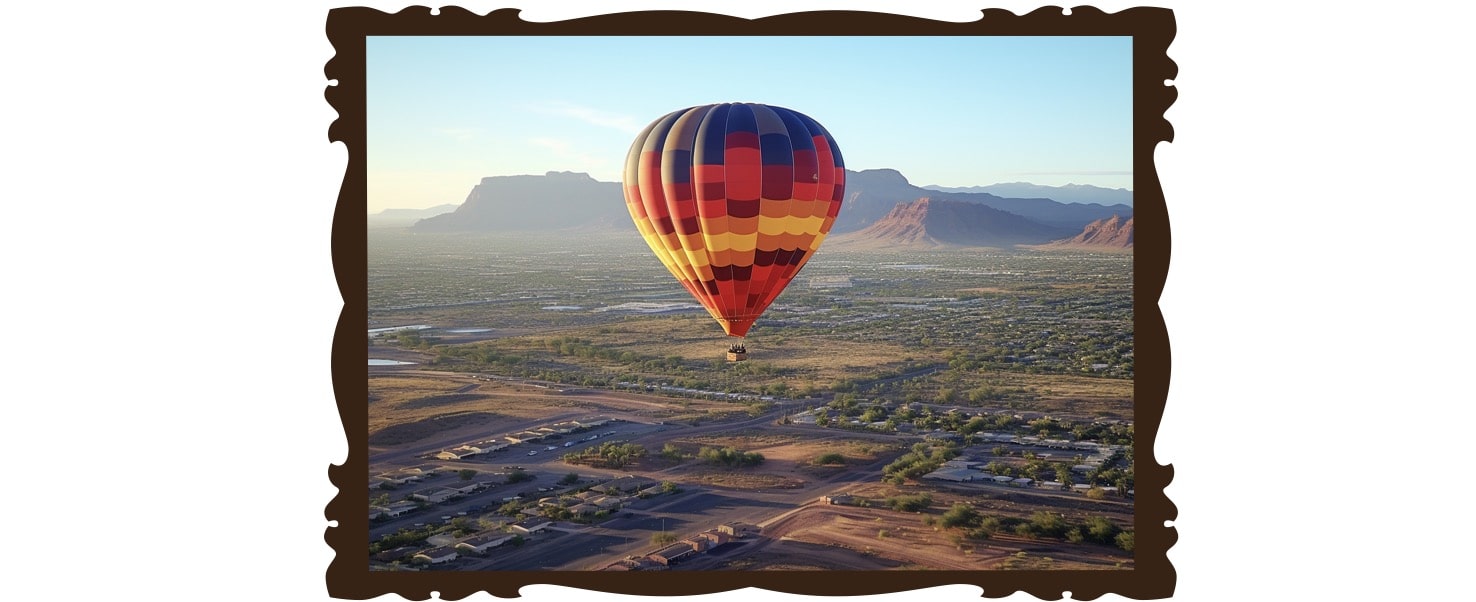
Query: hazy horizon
374 211
445 112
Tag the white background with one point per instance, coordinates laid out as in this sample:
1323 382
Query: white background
168 190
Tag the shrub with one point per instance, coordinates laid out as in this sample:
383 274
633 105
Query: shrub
830 458
910 503
960 515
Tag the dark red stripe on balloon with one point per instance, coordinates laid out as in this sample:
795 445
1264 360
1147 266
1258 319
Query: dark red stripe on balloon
743 208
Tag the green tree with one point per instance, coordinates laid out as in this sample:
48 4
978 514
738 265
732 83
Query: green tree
960 515
569 479
466 474
1101 530
1048 524
1125 540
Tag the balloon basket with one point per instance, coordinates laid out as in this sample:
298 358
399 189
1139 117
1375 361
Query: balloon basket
737 353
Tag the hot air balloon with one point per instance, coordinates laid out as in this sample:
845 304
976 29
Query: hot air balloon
734 199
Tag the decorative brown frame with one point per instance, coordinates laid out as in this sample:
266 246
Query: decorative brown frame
1152 30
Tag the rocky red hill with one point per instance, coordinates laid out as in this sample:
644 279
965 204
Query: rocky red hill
1114 233
935 223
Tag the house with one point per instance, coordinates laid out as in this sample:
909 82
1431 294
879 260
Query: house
1022 482
1003 479
592 422
952 474
401 553
435 495
672 553
633 563
397 478
400 508
524 437
491 445
714 537
529 526
437 555
738 529
838 499
606 502
480 543
960 464
584 509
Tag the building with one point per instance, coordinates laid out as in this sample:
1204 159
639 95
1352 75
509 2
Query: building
480 543
953 474
435 495
606 502
524 437
714 538
839 499
673 553
738 530
396 478
439 555
399 508
531 525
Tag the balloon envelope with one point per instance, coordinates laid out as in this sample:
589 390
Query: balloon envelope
734 199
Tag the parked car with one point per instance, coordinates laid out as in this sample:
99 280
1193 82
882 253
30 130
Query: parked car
533 453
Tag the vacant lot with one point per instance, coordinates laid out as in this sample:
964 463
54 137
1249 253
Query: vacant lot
825 537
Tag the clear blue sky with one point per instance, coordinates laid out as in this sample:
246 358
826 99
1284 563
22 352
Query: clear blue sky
954 111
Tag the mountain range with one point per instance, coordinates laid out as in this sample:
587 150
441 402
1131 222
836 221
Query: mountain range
1070 193
1112 234
929 223
871 194
406 217
880 205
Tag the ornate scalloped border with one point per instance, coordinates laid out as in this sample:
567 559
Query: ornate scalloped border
1152 30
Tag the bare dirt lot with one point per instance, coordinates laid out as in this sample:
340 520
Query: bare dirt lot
825 537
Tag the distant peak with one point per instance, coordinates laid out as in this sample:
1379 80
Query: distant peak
577 175
885 173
